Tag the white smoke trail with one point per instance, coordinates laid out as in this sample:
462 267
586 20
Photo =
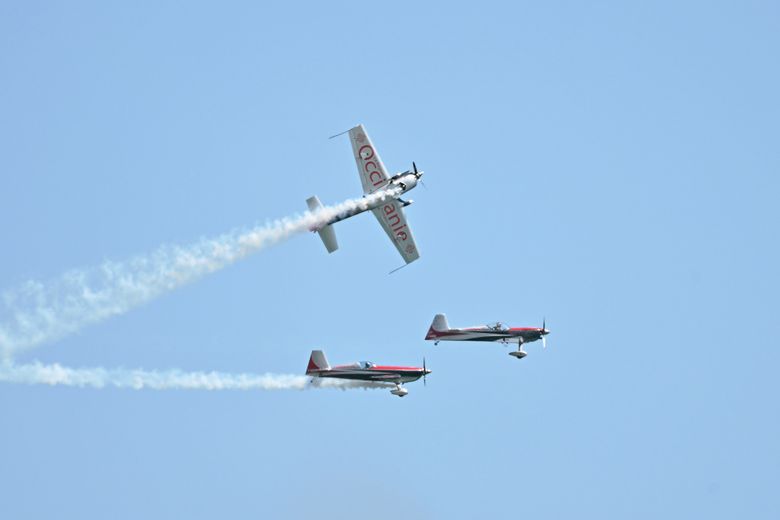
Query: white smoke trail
37 373
41 312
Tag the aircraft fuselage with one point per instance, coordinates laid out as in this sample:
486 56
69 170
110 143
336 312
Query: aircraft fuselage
523 334
374 373
393 190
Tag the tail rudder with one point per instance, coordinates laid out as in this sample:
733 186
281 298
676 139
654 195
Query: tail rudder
439 325
317 363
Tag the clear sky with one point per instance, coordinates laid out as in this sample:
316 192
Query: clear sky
610 166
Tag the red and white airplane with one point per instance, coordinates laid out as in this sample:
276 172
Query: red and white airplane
441 331
376 182
366 371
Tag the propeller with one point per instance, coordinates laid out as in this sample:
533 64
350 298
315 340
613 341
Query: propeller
418 174
544 333
425 373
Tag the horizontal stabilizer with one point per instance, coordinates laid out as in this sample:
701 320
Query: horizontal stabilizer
327 234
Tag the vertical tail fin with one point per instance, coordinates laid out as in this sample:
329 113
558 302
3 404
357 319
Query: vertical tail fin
439 325
327 234
317 362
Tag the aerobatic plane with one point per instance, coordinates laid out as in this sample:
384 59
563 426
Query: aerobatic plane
382 195
441 331
366 371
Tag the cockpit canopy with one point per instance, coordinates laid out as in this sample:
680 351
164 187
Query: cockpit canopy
366 364
498 326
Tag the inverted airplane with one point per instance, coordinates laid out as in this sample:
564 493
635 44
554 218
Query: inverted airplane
441 331
366 371
376 182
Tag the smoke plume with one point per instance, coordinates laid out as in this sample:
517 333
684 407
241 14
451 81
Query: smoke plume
40 312
37 373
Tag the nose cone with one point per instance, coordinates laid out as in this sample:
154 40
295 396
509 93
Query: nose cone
426 371
544 332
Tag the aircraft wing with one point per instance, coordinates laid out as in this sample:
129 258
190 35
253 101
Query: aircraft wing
373 174
391 216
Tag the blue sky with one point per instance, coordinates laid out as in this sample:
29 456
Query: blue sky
612 167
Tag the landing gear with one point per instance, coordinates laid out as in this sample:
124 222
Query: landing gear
519 353
399 391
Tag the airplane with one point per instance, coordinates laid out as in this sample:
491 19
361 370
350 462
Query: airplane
382 195
441 331
366 371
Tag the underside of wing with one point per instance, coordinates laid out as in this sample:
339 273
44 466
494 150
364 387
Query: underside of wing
373 174
391 216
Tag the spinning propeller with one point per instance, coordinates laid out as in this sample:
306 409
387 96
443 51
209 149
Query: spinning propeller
418 174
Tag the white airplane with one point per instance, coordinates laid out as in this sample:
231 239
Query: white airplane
383 196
